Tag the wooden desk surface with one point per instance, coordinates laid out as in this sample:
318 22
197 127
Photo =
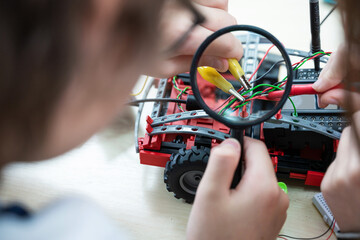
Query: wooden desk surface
107 170
133 194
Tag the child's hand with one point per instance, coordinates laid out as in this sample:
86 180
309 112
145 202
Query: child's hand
175 21
341 184
256 209
333 74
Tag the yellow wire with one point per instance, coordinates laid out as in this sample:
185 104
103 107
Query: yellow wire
136 94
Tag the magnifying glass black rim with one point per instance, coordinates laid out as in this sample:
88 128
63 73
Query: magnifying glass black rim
207 42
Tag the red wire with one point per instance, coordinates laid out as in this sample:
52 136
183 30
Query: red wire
267 52
283 238
332 231
307 59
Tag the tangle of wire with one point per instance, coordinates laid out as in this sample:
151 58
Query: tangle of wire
230 101
181 92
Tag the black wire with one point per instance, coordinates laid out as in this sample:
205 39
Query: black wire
268 71
328 14
135 102
330 227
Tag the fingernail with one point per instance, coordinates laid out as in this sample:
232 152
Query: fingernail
233 142
321 105
219 65
317 85
333 101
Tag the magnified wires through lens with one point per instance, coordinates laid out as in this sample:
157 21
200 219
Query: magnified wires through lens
248 87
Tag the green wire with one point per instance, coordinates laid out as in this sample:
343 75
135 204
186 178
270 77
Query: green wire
295 112
241 105
179 95
182 92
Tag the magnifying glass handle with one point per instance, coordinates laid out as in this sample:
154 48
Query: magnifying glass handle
239 135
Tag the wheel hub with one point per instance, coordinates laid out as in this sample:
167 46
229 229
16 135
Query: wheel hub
190 180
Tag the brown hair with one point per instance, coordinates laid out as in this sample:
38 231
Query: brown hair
39 40
351 21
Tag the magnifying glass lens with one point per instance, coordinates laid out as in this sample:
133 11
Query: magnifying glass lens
236 89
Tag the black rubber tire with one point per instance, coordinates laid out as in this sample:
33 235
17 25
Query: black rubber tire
184 171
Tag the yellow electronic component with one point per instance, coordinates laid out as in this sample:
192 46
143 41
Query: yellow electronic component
238 73
212 76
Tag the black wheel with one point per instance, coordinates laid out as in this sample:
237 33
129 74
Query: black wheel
184 171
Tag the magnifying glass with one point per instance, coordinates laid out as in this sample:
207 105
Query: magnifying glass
238 98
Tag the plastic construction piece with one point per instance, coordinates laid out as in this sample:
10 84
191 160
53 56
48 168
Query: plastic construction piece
299 122
283 187
185 129
163 84
138 116
179 117
301 147
321 205
314 178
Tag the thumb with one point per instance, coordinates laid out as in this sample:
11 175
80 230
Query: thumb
335 96
341 98
221 166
